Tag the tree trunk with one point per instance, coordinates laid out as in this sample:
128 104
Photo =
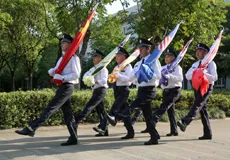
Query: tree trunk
30 80
59 52
185 83
84 45
12 80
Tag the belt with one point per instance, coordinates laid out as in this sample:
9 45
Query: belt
169 89
99 88
122 86
66 83
146 87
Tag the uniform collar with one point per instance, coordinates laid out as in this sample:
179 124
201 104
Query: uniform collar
96 65
146 57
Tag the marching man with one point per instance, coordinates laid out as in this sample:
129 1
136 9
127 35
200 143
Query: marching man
146 93
121 86
200 101
171 92
99 85
69 77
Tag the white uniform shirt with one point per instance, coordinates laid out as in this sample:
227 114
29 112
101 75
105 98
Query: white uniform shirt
123 78
210 72
71 72
156 76
100 79
175 78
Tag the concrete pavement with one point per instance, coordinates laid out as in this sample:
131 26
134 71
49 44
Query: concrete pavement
46 144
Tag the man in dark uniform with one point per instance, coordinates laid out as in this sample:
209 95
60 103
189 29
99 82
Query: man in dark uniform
121 86
200 101
146 93
171 92
69 76
99 87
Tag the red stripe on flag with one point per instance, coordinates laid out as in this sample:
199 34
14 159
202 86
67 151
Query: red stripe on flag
75 43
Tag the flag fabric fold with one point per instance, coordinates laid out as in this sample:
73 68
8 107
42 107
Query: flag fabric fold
199 80
74 45
88 79
145 73
113 77
174 64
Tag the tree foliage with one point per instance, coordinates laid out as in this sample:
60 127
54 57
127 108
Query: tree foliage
30 32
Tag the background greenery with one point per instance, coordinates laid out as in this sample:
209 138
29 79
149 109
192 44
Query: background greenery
30 32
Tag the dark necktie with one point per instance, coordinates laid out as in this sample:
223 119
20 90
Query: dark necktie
143 61
199 64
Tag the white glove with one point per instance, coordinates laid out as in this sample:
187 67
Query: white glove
51 72
58 77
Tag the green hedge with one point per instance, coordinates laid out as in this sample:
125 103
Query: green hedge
17 108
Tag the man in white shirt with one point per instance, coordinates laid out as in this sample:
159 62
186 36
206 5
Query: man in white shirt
200 101
69 77
97 99
146 93
171 92
121 86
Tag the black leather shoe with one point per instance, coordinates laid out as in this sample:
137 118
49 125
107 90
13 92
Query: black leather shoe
128 136
105 133
205 138
112 120
181 125
145 131
69 142
172 134
101 135
99 130
151 142
25 132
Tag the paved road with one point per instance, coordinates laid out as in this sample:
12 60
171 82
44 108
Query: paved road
46 144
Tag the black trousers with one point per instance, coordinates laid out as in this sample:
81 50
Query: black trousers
96 101
121 94
170 96
60 100
199 105
143 100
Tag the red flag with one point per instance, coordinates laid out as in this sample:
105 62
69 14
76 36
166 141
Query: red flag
74 45
199 80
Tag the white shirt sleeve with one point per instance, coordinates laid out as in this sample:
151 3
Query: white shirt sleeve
125 76
188 75
103 77
88 72
211 73
75 69
177 75
51 71
157 70
132 77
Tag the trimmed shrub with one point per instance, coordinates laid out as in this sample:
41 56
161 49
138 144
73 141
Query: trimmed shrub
18 108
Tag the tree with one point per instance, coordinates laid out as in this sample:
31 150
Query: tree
28 36
69 15
223 57
200 20
107 33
